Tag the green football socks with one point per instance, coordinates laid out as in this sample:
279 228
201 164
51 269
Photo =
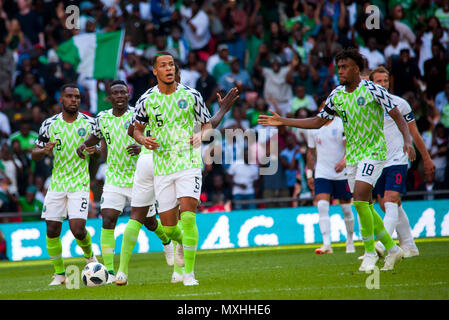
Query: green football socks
366 224
86 245
189 239
379 230
54 248
173 232
129 241
177 268
160 233
107 243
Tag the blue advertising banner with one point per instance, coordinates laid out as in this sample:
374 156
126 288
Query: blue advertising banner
235 229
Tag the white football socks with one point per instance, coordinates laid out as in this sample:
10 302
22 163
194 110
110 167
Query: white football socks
391 216
349 220
404 231
324 221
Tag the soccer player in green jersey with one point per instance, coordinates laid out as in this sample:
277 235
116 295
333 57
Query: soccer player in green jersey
361 105
68 194
172 110
122 154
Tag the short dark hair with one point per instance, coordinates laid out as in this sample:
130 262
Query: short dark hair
160 54
353 54
115 82
69 85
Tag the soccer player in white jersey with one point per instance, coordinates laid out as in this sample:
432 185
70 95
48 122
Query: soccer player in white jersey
326 155
68 194
392 182
361 105
171 111
122 153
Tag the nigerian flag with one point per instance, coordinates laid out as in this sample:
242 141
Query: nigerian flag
94 55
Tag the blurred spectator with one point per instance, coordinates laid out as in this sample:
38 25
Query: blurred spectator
439 152
393 50
5 128
442 105
275 85
160 45
302 100
237 121
236 78
30 22
139 77
7 67
177 43
25 136
305 75
290 158
195 23
11 167
244 177
24 175
435 70
219 190
374 56
189 73
29 204
405 74
24 90
405 33
206 84
252 114
429 185
8 200
442 13
218 64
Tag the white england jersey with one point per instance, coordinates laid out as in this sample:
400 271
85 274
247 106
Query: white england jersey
393 136
329 142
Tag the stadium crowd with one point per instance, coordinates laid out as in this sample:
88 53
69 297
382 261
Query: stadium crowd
278 53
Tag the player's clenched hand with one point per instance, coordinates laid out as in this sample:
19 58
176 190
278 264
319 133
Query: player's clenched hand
429 166
311 184
228 101
49 147
339 167
274 120
195 140
91 150
80 151
410 150
133 149
150 143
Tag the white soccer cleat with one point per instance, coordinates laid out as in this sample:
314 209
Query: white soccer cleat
350 248
324 250
169 253
176 277
179 255
361 257
410 252
121 279
189 279
111 278
369 262
380 249
93 258
392 258
58 279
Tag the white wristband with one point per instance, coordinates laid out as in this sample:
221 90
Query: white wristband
309 173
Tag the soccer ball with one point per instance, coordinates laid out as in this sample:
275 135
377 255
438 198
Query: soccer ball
94 274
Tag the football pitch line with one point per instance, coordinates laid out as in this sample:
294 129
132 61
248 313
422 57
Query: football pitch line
27 263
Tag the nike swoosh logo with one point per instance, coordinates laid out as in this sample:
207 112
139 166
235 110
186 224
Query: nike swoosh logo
156 107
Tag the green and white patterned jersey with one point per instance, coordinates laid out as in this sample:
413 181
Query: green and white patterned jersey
114 130
171 120
362 112
70 173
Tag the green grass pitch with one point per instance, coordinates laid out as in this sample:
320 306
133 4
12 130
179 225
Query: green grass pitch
265 273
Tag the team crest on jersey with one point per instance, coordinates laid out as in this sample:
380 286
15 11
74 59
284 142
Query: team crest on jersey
182 104
127 124
81 132
361 101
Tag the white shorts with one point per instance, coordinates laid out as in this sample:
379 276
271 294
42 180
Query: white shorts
366 170
60 205
114 197
169 188
142 194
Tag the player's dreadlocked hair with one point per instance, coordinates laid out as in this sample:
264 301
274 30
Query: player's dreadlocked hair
353 54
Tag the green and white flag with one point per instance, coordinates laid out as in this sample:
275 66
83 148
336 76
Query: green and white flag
94 55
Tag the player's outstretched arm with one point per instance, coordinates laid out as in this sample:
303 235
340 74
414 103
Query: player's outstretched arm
276 120
396 115
429 165
225 105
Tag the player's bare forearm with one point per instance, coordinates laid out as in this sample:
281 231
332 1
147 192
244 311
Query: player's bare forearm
38 153
311 158
138 133
429 165
91 140
307 123
402 125
131 130
225 105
